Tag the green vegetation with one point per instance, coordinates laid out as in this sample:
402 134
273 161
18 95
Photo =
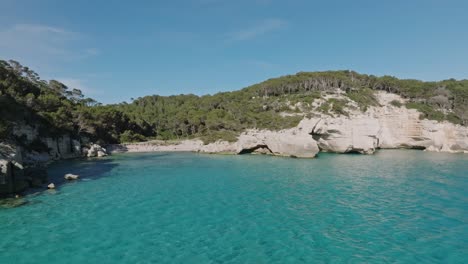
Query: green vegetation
364 97
452 118
213 136
55 109
184 116
129 136
338 106
427 111
396 103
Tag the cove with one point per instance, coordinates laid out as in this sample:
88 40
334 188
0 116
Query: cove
402 206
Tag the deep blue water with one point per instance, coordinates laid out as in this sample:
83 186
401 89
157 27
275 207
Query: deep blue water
392 207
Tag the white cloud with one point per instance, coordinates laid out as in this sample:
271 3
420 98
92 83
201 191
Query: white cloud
43 46
34 28
261 28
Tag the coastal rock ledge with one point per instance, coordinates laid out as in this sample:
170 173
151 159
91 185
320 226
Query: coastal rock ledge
295 142
380 127
94 150
387 127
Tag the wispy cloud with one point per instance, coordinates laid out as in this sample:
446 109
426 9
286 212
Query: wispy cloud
260 28
42 45
35 28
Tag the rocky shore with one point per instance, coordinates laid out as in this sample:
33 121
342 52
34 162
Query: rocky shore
384 127
21 169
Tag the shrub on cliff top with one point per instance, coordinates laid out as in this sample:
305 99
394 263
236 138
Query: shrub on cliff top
396 103
426 111
364 97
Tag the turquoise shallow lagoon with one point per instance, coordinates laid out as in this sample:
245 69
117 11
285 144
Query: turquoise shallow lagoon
393 207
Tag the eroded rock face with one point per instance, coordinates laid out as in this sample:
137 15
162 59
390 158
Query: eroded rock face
96 150
217 147
26 132
76 146
21 168
295 142
344 135
5 171
387 127
11 170
445 137
61 147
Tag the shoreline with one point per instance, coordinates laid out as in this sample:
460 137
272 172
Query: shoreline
151 147
196 146
187 145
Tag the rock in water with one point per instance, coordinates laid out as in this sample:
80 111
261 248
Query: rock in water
96 151
51 186
12 202
71 177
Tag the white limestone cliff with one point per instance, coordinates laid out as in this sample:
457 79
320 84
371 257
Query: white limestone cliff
387 127
294 142
380 127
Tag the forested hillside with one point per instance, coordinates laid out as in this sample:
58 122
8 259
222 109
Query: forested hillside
54 109
261 105
273 104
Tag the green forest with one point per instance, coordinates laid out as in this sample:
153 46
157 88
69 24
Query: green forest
55 109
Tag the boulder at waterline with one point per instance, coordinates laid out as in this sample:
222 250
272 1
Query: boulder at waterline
71 177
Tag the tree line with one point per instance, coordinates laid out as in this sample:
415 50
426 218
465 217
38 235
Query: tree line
55 109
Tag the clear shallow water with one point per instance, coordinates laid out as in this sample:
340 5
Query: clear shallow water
393 207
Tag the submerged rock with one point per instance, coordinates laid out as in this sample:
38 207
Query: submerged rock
71 177
36 176
12 202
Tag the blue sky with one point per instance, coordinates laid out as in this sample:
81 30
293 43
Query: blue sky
116 50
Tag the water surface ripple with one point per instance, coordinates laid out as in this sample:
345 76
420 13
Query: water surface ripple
392 207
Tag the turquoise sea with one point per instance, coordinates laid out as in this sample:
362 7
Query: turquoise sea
398 206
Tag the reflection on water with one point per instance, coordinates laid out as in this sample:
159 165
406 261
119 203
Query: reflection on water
395 206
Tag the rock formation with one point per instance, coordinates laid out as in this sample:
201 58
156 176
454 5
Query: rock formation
71 177
12 178
380 127
387 127
21 168
95 150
